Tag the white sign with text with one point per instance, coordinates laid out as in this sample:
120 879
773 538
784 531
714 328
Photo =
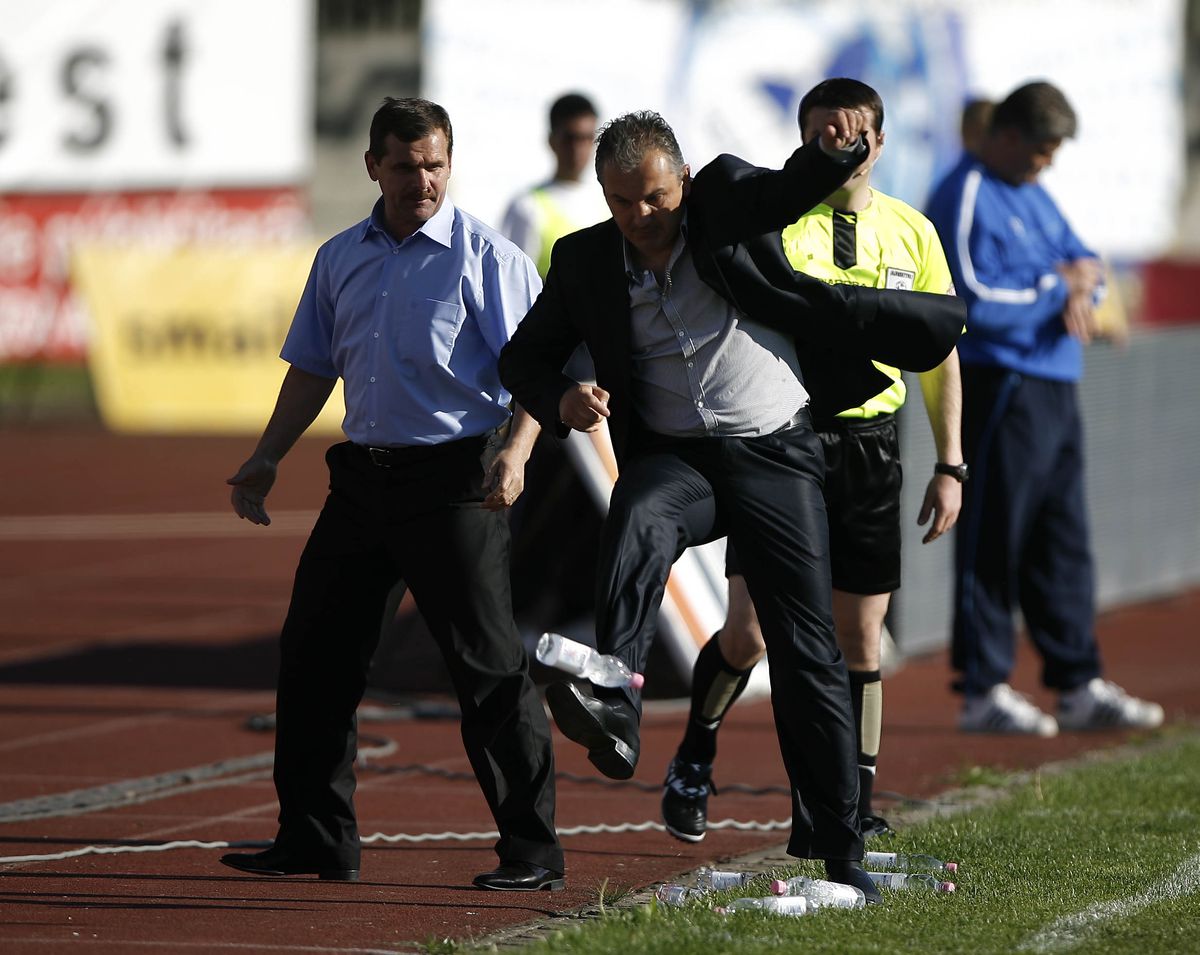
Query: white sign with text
140 94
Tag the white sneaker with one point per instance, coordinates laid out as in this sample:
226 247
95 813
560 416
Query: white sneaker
1003 710
1101 705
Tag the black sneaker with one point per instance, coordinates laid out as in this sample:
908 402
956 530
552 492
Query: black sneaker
685 799
871 825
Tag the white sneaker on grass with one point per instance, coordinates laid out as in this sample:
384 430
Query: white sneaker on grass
1101 705
1003 710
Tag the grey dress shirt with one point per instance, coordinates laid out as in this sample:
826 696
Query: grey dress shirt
701 368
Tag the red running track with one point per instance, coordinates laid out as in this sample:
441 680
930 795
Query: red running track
135 623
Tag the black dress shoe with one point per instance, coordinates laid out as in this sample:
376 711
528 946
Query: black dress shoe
520 877
608 728
277 861
851 873
871 825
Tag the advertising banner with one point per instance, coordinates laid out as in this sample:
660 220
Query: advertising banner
145 94
142 121
187 340
41 315
729 76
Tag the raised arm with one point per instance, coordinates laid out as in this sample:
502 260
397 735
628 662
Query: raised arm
739 201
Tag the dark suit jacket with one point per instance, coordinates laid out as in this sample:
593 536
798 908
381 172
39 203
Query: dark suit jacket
735 214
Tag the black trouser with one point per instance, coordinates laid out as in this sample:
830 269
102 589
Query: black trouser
766 494
419 520
1023 536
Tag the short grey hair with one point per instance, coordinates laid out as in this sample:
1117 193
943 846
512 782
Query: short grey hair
627 140
1039 111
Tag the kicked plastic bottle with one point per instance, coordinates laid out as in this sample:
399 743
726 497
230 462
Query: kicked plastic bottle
707 878
555 650
778 904
820 894
910 880
671 894
900 862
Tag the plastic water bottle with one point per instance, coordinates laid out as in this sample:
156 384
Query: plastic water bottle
707 878
778 904
555 650
910 880
821 894
671 894
908 863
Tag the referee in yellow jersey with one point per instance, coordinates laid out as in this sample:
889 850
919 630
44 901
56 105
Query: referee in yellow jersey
858 236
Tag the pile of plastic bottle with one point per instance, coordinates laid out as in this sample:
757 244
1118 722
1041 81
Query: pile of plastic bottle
802 895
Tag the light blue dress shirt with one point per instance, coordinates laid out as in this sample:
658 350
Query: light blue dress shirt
414 328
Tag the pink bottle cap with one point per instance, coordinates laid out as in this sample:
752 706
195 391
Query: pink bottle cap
778 887
951 866
636 681
946 887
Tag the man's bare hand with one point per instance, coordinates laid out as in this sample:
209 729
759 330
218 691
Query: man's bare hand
1081 275
844 129
943 501
583 407
504 480
251 485
1079 317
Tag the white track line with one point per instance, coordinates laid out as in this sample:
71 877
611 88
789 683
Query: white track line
182 524
1072 930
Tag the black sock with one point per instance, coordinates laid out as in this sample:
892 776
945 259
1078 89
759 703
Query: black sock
715 686
866 695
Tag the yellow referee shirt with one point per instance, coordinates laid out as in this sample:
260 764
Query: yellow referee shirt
889 244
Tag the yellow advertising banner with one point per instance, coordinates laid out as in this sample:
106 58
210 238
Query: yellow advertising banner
188 339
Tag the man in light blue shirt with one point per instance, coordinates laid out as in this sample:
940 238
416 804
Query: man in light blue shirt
410 308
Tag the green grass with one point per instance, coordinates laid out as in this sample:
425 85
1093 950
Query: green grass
34 394
1095 835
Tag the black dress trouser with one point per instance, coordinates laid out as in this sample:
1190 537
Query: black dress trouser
419 521
765 493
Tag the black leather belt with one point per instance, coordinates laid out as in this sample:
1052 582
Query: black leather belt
801 419
398 457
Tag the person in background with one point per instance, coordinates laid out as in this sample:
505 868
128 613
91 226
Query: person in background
1031 287
410 308
857 236
976 118
569 200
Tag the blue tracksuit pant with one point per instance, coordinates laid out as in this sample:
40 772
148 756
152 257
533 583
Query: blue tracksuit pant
1022 538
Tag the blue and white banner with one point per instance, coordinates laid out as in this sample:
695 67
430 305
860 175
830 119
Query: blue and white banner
729 76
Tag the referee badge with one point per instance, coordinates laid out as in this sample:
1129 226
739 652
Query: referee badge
901 279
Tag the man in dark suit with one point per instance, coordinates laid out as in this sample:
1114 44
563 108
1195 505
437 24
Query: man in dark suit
697 325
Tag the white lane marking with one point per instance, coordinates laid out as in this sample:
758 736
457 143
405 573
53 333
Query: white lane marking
1071 930
181 524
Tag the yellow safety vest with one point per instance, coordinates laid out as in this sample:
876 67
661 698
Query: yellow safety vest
554 225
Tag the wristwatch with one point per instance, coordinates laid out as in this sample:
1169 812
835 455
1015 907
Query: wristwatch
959 472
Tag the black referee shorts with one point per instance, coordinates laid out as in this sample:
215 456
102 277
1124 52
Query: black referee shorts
862 499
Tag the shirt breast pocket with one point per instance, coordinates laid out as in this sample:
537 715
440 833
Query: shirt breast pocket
443 321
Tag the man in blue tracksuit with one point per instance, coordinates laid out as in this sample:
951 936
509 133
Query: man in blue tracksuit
1031 287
